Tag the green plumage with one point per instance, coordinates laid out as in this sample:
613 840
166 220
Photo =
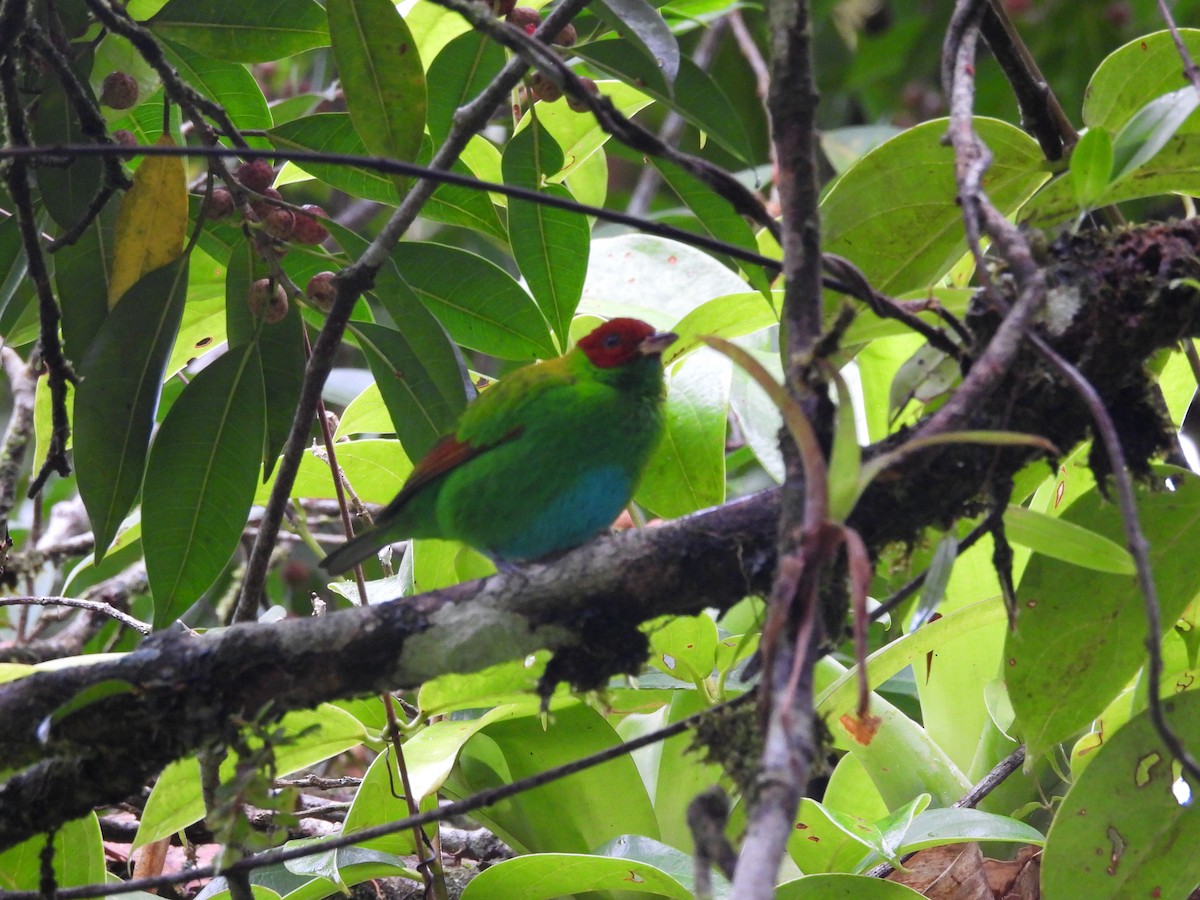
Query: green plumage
542 461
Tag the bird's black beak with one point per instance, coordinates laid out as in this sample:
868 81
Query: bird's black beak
656 343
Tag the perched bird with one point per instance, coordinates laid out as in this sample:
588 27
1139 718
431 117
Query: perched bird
541 462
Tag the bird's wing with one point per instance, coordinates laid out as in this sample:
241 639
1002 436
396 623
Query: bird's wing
447 454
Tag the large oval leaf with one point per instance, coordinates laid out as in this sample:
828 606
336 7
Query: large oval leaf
894 213
118 395
464 67
1132 76
1121 831
481 307
381 75
1080 633
200 481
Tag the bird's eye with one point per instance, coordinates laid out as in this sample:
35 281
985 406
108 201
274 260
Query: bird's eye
612 342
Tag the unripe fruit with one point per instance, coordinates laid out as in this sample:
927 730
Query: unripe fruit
124 137
309 229
119 90
542 88
526 18
566 37
280 224
577 104
321 291
267 301
257 175
219 205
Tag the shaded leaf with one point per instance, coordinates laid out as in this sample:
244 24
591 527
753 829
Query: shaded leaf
1121 831
463 68
643 27
1064 663
118 395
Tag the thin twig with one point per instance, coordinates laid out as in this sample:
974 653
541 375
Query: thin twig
59 372
92 605
17 434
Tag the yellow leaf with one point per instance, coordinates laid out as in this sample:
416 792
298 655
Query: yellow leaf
151 222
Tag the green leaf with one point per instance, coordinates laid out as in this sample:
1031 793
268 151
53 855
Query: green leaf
696 96
1132 76
894 213
463 68
684 647
1176 169
243 32
506 682
728 316
81 280
78 858
118 395
644 29
565 816
843 887
1149 130
481 307
1120 831
200 481
716 217
334 133
420 376
1064 663
381 74
375 468
550 245
845 456
687 469
66 190
1091 166
1060 539
311 735
365 414
231 82
376 802
544 876
672 772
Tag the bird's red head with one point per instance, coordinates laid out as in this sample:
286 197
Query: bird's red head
621 341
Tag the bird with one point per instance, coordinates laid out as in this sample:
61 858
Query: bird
540 462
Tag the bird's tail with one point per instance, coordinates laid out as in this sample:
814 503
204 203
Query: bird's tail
352 552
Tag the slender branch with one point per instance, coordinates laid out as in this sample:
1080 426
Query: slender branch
59 372
92 605
17 434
